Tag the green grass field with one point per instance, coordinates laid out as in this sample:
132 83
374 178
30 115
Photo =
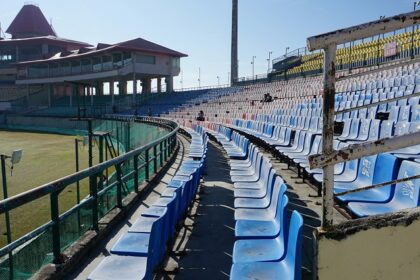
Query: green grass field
46 157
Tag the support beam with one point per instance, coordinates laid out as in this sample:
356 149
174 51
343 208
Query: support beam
111 91
365 149
134 86
50 94
99 88
169 84
73 90
159 85
122 87
327 135
90 89
143 85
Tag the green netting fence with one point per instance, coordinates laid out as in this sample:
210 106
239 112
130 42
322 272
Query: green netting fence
37 250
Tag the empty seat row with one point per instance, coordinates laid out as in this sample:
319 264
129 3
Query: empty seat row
139 251
268 246
353 174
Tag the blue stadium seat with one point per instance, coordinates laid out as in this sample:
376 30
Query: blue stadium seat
249 229
263 214
255 189
255 172
257 201
257 250
406 194
245 163
288 268
372 170
122 267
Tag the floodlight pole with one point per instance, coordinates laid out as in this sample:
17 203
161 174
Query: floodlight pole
6 214
269 60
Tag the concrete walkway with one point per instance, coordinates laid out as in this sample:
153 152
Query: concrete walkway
203 249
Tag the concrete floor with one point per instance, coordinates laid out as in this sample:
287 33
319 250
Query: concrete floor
203 249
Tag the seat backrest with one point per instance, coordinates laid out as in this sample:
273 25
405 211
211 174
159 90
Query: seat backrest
366 170
316 145
387 129
386 168
404 114
294 245
257 163
281 216
415 113
308 142
354 129
279 189
157 235
407 193
414 127
301 140
268 174
374 130
287 134
401 128
364 128
393 113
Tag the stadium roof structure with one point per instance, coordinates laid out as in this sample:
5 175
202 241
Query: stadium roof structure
45 39
136 45
30 22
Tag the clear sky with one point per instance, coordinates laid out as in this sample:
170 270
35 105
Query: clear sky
202 28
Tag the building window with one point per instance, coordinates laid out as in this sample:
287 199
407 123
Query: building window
76 67
146 59
6 57
97 64
126 58
176 62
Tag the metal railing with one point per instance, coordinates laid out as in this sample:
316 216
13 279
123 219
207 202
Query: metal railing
145 159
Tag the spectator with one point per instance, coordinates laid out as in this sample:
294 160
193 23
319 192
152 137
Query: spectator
268 97
200 116
264 98
149 112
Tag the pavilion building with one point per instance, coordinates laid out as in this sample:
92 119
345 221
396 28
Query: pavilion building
35 58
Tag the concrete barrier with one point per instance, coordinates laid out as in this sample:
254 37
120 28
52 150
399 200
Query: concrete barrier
378 247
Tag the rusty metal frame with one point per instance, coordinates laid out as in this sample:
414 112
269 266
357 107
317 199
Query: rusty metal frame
356 151
380 185
328 42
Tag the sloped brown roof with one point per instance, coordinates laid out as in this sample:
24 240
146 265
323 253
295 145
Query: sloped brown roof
30 21
140 44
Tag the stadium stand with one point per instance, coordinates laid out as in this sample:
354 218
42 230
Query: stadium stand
291 127
362 54
268 243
